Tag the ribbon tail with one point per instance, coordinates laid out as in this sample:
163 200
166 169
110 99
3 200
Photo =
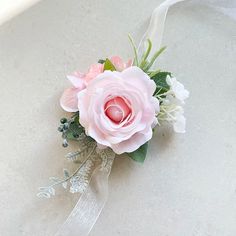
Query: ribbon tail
156 27
87 210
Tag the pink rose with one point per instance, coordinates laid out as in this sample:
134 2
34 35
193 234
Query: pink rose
69 101
118 109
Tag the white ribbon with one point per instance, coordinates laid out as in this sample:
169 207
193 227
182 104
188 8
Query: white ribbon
156 26
87 210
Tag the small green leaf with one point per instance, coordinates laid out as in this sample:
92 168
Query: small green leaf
153 59
140 154
108 65
101 61
143 62
160 81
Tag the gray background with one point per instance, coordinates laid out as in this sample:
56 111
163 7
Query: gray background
187 185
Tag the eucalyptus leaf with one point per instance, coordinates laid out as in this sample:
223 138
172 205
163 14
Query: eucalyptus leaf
160 81
74 130
108 65
140 154
66 173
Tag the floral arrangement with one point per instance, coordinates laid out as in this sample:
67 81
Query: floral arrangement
115 108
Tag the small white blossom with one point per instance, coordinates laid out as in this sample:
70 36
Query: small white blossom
171 108
173 112
177 89
180 121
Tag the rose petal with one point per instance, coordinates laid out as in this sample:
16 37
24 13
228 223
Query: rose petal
129 63
132 144
94 71
76 81
117 62
136 77
69 101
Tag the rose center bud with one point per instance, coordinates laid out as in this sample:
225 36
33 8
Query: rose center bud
117 109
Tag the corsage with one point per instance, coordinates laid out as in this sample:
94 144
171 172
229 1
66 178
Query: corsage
114 108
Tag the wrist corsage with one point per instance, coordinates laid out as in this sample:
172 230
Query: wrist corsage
115 106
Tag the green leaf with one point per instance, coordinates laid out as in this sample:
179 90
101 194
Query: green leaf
101 61
140 154
108 65
153 59
143 62
160 80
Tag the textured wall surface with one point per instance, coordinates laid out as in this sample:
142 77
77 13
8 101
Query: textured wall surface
10 8
187 185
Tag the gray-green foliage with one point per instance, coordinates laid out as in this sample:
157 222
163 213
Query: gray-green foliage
78 179
71 128
85 158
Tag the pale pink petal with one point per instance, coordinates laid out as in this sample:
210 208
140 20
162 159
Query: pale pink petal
94 132
69 101
93 72
96 68
136 77
79 74
83 103
76 81
129 63
133 143
117 62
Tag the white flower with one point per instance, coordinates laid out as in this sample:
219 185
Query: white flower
172 112
171 106
179 122
177 89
